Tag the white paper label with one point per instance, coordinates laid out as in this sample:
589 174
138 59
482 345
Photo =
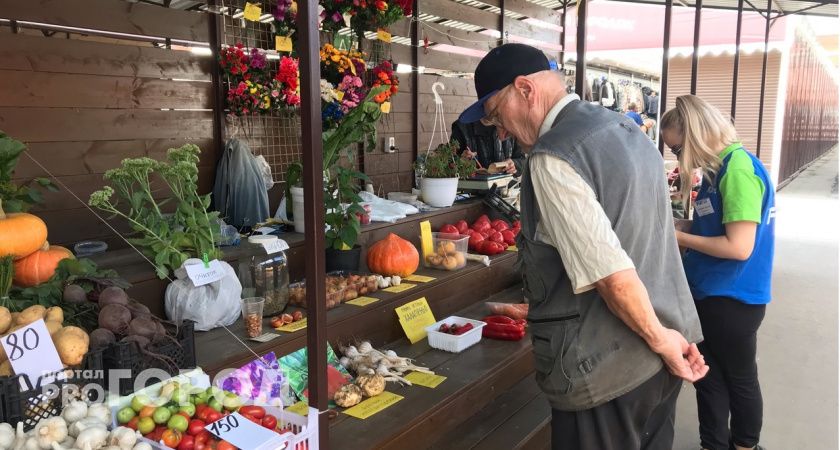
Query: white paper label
264 230
704 207
31 351
277 245
242 433
201 275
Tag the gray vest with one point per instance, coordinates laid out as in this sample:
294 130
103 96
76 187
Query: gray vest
585 355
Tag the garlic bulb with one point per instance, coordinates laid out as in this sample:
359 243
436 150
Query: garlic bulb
75 411
50 430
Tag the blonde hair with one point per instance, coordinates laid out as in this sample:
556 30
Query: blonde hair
706 132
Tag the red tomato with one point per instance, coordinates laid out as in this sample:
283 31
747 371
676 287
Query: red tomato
462 226
483 218
517 224
475 239
187 443
256 411
251 418
497 237
201 412
509 237
500 225
157 434
132 423
195 427
481 226
269 422
225 445
448 229
171 438
213 416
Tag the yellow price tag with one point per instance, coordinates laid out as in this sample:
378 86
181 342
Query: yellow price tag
292 327
415 317
362 301
373 405
385 107
283 43
252 12
300 408
428 380
426 238
419 278
340 96
513 248
402 287
383 35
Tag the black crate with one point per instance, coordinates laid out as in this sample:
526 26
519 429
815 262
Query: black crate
24 401
127 356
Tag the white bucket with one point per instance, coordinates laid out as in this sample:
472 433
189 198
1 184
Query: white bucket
297 208
439 192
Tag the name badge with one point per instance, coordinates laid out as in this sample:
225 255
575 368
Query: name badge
704 207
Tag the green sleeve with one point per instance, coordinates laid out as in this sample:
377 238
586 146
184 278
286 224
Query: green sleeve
742 191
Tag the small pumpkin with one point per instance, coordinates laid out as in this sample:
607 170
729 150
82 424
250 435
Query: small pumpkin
371 385
393 256
39 266
20 233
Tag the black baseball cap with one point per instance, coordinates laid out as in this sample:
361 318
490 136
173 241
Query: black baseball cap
498 69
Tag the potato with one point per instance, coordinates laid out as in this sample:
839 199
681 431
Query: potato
5 319
31 314
71 344
53 326
55 314
15 316
6 369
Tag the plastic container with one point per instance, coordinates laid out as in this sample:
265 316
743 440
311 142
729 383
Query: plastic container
266 276
179 353
450 251
297 208
27 402
88 248
252 314
451 342
361 283
297 295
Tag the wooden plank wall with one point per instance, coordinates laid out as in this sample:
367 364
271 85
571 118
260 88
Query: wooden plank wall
83 104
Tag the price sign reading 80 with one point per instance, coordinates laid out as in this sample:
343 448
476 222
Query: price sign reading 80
243 433
28 341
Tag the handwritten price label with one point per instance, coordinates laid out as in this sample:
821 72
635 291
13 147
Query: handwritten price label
201 275
252 12
428 380
373 405
300 408
383 35
362 301
292 327
31 351
283 43
275 246
414 318
402 287
419 278
242 433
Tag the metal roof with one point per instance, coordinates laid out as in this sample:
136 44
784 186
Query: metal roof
818 7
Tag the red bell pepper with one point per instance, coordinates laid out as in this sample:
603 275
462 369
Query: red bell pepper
503 332
464 328
462 226
499 319
449 229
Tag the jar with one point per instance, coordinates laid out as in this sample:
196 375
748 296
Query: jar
266 275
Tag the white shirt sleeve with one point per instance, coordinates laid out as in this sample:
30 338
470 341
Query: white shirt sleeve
572 220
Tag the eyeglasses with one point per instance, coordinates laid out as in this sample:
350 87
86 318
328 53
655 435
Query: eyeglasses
676 150
493 119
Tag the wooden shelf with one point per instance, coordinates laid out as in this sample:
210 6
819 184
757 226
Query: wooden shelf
377 322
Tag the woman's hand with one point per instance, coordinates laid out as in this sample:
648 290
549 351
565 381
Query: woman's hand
737 243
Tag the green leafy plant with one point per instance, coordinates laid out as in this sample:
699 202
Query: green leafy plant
167 240
18 198
444 162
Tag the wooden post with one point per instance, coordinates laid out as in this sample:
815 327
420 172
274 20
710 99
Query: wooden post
695 56
313 194
563 36
663 82
415 78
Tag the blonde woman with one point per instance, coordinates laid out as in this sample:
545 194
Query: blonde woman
728 266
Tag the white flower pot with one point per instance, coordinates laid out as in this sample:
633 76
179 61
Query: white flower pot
439 192
297 208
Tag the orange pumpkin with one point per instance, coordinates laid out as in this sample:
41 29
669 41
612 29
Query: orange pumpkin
40 265
20 234
393 256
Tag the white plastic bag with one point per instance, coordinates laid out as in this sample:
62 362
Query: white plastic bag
268 179
210 306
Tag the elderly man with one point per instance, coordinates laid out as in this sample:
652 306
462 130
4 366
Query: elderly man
613 324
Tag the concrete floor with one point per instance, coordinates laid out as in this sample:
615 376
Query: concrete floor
798 340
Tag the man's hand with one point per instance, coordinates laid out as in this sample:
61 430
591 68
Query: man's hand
510 167
468 154
682 359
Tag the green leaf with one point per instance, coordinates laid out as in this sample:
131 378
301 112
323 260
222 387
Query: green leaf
349 236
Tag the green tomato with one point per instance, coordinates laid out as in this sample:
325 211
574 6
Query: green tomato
178 422
215 404
188 408
125 415
180 396
139 401
161 415
173 408
231 402
199 399
145 425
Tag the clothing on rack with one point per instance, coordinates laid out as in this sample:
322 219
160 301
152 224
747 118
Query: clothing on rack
239 192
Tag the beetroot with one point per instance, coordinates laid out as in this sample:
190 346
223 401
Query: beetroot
143 326
113 295
138 309
115 318
101 338
74 294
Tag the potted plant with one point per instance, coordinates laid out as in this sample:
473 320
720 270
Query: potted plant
171 242
440 169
